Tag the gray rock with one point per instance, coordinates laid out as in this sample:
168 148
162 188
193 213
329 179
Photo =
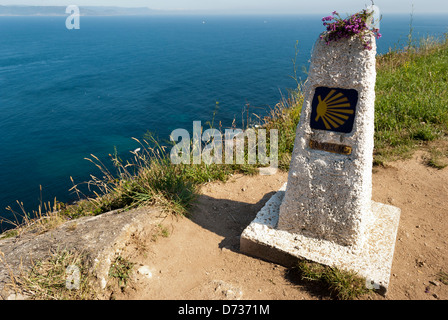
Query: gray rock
100 238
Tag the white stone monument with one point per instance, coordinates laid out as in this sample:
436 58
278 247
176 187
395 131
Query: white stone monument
325 212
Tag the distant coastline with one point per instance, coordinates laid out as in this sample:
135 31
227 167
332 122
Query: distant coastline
17 10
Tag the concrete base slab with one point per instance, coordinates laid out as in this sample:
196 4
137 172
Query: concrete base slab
373 261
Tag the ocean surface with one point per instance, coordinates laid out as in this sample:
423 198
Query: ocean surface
66 94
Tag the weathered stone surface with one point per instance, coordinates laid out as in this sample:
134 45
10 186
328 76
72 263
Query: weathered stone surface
373 261
325 212
101 238
328 194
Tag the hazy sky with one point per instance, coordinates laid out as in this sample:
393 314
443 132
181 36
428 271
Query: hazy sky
257 6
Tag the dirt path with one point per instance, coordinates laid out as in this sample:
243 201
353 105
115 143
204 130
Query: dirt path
200 258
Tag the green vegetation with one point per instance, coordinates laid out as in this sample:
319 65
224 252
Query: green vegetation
411 99
341 285
443 277
121 270
47 279
437 156
160 231
285 118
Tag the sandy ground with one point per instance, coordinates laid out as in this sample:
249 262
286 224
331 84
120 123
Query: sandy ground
200 257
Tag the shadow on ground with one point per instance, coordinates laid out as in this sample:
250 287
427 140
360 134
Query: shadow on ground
229 218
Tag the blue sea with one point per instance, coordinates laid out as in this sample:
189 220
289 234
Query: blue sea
66 94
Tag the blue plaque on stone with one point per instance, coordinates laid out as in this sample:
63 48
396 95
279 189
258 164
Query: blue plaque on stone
334 109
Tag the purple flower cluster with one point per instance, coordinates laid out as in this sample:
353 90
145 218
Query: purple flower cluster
355 25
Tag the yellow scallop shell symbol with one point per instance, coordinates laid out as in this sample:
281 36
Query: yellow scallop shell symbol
334 110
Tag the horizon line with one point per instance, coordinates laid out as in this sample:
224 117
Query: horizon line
216 11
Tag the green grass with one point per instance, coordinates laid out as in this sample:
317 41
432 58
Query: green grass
437 156
338 284
47 279
411 99
443 277
285 118
121 270
160 231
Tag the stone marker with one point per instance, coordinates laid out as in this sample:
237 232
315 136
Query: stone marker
325 212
